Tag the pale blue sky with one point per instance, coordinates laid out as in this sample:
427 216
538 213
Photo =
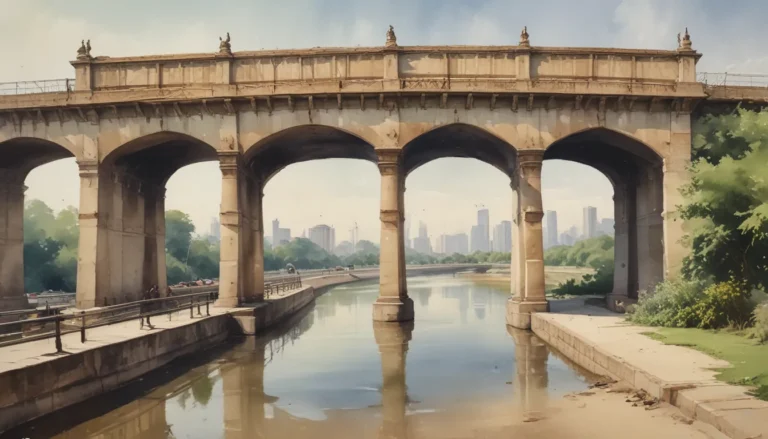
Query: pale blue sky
38 38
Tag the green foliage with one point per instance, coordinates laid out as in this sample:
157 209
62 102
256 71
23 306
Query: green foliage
693 304
726 208
601 282
724 304
178 234
760 316
50 248
593 252
671 304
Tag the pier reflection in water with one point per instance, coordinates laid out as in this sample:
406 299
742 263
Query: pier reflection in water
331 372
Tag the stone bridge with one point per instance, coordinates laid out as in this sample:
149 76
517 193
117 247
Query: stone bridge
132 122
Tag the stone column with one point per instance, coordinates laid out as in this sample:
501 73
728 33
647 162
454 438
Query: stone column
625 246
241 278
675 175
393 304
393 339
532 297
649 228
12 242
93 262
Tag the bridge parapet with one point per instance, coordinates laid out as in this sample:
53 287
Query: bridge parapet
376 70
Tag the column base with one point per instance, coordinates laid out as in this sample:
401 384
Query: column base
14 303
393 309
519 313
226 302
619 302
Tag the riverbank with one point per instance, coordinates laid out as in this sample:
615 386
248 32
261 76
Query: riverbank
553 276
605 344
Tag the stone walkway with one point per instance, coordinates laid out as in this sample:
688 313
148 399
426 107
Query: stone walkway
35 352
604 343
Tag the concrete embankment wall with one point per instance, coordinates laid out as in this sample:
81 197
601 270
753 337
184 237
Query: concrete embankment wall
38 389
29 392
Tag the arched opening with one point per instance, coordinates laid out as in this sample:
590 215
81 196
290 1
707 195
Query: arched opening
149 244
634 171
313 218
38 223
459 209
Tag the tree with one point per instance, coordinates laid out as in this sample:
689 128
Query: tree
178 234
726 207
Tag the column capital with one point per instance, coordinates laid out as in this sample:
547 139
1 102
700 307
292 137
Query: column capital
530 157
88 168
388 160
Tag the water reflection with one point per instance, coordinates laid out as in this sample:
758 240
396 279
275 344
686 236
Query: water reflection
392 339
331 372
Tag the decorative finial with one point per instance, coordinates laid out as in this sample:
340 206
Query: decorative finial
225 48
84 52
684 43
524 42
391 38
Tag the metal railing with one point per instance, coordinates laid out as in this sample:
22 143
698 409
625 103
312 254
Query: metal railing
53 322
33 87
277 286
726 79
55 326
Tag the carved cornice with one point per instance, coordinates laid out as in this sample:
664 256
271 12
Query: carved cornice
530 161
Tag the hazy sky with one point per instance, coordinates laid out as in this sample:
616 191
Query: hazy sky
38 38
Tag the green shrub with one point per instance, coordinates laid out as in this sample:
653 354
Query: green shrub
692 304
725 304
601 282
760 330
671 304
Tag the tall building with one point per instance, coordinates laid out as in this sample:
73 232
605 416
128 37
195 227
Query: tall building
550 239
483 220
458 243
407 232
590 222
280 236
502 237
215 231
476 236
324 236
421 243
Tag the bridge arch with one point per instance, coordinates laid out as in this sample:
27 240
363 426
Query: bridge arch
635 171
304 143
156 157
459 140
18 157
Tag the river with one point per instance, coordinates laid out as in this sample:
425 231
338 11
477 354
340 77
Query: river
456 372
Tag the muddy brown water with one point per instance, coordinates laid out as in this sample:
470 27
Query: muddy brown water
457 371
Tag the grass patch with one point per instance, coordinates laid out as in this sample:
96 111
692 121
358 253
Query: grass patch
748 357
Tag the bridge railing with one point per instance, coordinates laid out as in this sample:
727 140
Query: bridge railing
32 325
725 79
33 87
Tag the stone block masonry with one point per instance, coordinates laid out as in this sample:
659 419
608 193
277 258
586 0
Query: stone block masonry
604 344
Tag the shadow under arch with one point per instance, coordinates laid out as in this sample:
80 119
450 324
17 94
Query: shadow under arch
156 157
21 155
18 157
304 143
634 170
459 140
